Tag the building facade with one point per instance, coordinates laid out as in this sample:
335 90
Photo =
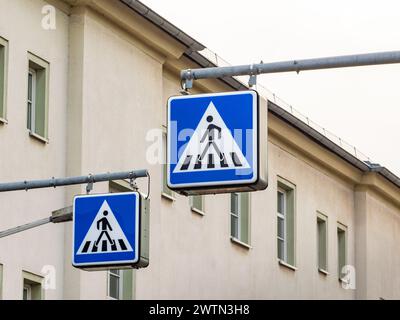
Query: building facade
83 89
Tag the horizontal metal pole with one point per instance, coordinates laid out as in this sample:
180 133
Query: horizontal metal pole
25 227
356 60
50 183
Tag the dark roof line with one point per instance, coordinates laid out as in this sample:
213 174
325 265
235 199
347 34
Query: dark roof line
316 136
194 46
173 31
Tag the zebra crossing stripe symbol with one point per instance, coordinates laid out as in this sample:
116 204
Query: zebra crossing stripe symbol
105 234
211 147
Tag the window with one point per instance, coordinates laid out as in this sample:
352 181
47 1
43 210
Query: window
3 78
37 99
32 286
286 222
240 217
197 204
115 284
166 192
235 227
27 292
322 242
281 232
342 248
119 284
31 99
1 281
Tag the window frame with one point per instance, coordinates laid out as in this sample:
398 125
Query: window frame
1 280
35 283
236 216
119 276
322 218
282 216
4 75
290 247
239 239
42 69
341 228
195 209
166 192
32 109
28 289
126 292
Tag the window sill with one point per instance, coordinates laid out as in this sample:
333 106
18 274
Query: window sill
38 137
323 271
199 212
3 121
286 265
167 196
240 243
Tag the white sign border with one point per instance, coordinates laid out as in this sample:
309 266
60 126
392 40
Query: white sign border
109 263
225 183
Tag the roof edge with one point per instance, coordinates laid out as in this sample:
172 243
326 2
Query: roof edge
165 25
193 54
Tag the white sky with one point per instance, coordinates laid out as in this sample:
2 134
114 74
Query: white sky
361 105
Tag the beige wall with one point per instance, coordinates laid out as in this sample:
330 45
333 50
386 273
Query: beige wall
119 101
23 157
383 244
108 88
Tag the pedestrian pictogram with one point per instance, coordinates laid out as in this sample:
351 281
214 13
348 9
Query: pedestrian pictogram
214 143
105 234
212 146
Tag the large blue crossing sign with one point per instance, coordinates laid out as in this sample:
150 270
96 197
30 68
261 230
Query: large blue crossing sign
214 143
107 230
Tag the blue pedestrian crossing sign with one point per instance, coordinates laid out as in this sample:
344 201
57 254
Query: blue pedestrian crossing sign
106 230
213 143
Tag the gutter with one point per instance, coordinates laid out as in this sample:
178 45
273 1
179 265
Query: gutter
386 173
364 166
173 31
317 137
193 46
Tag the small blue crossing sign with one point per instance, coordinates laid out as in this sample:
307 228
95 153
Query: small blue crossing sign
106 229
213 142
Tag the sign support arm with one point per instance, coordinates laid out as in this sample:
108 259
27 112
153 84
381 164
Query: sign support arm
53 182
252 70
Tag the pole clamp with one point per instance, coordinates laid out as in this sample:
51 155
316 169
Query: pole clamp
132 181
295 63
253 75
89 186
187 82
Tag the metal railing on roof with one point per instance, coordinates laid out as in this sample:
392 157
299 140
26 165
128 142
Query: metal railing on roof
266 93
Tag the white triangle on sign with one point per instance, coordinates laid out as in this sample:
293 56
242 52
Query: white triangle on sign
211 147
105 234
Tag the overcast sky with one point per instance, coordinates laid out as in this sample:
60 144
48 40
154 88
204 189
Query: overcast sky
361 105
